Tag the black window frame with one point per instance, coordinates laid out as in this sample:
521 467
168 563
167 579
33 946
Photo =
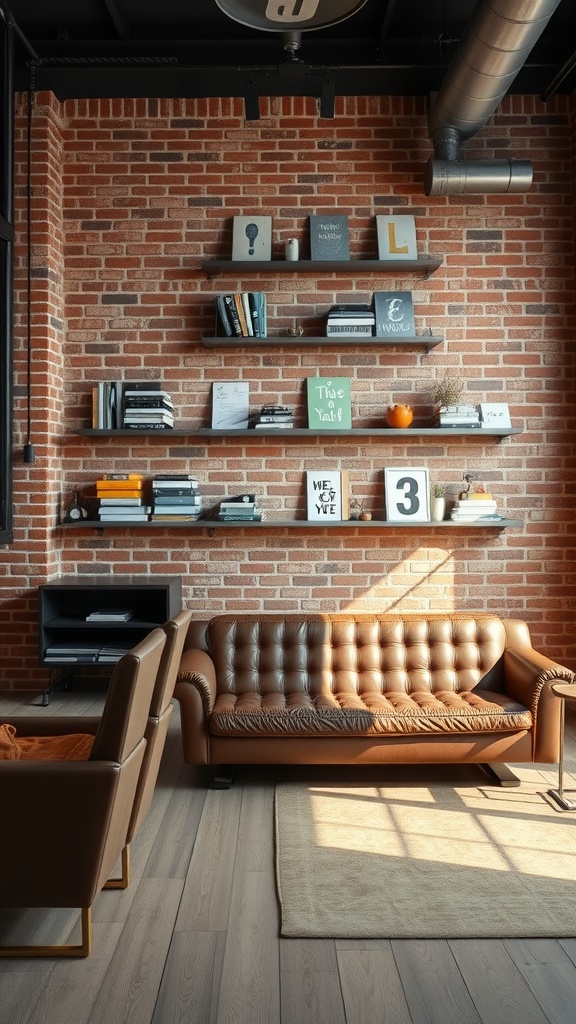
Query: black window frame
6 275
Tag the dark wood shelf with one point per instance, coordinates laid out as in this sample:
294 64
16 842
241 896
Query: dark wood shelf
216 524
284 433
423 264
422 341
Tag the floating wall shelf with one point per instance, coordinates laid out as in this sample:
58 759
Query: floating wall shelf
424 264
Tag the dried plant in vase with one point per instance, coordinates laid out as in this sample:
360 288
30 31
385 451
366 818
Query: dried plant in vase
358 505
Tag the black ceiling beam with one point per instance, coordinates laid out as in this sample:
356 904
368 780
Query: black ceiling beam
384 31
118 18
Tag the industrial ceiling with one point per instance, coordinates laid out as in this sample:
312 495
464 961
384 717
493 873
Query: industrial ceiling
193 48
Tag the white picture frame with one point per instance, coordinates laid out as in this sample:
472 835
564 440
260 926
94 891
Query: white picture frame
495 414
230 404
252 238
407 494
396 237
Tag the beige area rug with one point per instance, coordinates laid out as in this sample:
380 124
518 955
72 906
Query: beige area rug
412 860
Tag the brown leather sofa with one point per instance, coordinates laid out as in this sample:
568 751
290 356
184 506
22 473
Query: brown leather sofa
367 689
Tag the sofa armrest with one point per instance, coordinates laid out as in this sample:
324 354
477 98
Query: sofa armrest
529 676
195 692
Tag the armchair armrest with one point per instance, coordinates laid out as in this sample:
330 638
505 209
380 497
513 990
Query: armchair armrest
529 676
195 691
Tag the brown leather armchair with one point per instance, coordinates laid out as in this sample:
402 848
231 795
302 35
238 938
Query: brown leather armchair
67 821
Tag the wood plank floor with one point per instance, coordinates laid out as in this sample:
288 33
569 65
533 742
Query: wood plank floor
194 940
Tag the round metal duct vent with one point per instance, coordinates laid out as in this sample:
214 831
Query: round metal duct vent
281 15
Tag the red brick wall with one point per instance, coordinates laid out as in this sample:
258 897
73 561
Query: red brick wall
129 196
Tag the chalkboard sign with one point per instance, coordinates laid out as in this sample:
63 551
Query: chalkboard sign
394 312
230 404
329 237
329 403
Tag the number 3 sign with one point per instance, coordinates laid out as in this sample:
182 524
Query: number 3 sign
407 491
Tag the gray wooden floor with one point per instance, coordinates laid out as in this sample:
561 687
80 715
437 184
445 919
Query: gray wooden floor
195 937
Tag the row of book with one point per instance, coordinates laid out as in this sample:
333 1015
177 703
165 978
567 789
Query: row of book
275 416
131 405
86 653
357 320
241 314
127 498
465 415
475 507
240 508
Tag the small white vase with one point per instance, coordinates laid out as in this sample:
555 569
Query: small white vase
437 509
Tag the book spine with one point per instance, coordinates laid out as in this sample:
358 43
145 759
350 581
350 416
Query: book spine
247 314
230 306
241 316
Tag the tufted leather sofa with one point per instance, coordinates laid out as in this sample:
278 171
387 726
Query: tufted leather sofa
366 689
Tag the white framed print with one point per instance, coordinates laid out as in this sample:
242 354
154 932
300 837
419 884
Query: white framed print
407 494
252 238
396 237
495 414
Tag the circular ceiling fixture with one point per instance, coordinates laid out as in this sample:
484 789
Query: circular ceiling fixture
280 15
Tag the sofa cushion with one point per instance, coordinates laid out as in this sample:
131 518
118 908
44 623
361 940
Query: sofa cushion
369 714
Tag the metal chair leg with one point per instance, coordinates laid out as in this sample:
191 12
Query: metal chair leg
559 795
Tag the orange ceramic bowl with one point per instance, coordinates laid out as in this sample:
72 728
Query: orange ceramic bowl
399 416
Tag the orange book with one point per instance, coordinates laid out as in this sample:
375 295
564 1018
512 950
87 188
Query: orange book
134 484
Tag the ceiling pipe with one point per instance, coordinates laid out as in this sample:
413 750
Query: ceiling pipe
492 51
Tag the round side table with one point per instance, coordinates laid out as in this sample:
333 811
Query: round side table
567 693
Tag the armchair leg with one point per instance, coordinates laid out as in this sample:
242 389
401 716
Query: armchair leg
124 881
82 950
501 774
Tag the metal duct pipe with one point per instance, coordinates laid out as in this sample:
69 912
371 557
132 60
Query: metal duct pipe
465 177
494 48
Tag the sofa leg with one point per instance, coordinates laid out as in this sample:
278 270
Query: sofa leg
223 776
501 774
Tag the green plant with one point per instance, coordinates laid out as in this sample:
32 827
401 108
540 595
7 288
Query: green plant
437 490
449 391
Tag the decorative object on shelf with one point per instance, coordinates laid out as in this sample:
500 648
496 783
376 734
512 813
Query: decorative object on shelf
230 404
329 403
329 237
252 238
448 391
394 314
291 249
355 319
407 494
399 416
75 511
327 495
396 237
495 414
240 508
437 503
275 417
296 331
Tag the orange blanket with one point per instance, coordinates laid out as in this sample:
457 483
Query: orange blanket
74 747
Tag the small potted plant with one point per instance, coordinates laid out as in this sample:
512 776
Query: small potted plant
357 504
438 503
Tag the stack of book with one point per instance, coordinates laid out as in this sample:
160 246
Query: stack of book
176 498
240 507
275 416
241 314
475 507
355 320
457 416
146 406
110 615
121 498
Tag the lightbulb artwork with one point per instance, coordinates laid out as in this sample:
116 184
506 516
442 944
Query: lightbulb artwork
251 234
251 238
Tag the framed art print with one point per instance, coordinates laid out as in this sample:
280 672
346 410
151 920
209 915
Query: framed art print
407 494
252 238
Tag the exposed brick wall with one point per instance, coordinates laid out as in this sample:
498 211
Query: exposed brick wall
130 195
